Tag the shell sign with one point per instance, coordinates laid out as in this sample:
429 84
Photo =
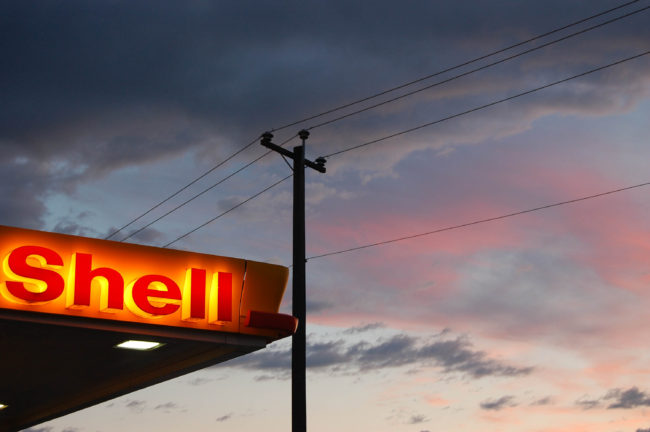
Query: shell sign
77 276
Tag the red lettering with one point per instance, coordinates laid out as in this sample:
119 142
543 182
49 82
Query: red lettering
111 282
49 282
224 309
32 277
142 294
197 293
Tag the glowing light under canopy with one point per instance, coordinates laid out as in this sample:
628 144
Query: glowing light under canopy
139 345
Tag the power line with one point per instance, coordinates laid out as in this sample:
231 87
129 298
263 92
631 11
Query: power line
485 106
480 221
449 69
429 124
202 192
355 103
179 191
228 211
489 65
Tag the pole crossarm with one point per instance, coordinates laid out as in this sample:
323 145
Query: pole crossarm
318 165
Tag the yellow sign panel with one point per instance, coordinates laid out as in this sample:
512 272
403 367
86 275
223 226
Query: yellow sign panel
78 276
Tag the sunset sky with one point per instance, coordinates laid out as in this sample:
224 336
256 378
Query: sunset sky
535 322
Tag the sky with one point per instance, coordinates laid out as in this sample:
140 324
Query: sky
534 322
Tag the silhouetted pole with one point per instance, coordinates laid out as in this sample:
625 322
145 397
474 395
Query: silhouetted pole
299 339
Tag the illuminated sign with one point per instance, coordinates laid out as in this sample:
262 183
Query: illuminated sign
77 276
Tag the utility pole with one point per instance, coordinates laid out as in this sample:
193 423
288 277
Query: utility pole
298 349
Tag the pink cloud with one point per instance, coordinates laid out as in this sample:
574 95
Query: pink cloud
574 275
437 401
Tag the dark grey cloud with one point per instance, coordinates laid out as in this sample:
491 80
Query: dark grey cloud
316 306
417 418
588 403
627 399
149 235
543 402
277 375
223 418
326 354
91 87
72 227
199 381
456 355
137 406
498 404
643 430
227 64
364 328
167 407
23 186
269 359
618 399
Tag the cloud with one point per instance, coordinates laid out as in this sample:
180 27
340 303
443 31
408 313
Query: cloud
437 401
137 406
627 399
269 359
417 418
70 226
167 407
86 115
364 328
23 187
223 418
498 404
452 356
494 277
543 402
196 90
457 355
316 306
148 235
618 399
588 403
199 381
315 193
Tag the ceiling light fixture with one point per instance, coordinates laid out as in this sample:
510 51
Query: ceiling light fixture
3 406
139 345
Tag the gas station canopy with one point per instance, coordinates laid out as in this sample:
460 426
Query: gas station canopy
68 303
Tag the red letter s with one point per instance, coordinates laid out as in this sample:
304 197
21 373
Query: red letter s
48 284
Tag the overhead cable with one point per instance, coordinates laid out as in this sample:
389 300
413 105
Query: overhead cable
429 124
177 192
227 211
203 192
477 222
464 74
365 144
452 68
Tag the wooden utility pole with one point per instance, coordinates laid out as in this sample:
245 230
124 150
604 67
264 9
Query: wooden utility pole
299 345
